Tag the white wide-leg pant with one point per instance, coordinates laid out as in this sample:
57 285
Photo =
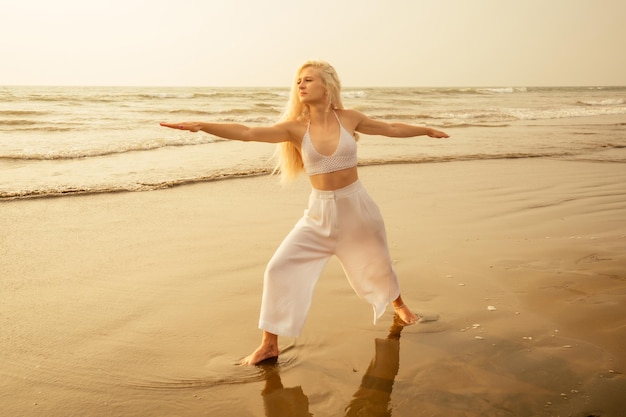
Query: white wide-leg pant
346 223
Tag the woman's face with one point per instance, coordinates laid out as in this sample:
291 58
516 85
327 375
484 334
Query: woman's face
311 86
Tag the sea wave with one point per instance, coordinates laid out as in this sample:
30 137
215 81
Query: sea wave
132 187
182 111
22 113
31 129
502 90
17 122
464 90
354 94
566 112
260 114
483 117
605 102
246 111
237 172
110 149
97 95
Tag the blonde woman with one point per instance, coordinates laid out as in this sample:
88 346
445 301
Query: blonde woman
318 136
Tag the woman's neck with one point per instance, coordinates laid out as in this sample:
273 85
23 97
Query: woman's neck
321 115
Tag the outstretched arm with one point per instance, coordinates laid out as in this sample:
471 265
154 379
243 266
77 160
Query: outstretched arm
395 130
280 132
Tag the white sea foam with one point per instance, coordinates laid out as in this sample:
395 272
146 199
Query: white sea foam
605 102
354 94
105 149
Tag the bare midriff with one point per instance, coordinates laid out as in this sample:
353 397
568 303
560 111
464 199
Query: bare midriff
334 180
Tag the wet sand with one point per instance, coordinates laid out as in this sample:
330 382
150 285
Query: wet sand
141 304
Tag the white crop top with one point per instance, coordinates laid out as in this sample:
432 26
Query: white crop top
344 156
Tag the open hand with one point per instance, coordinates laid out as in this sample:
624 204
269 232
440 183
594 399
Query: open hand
192 127
434 133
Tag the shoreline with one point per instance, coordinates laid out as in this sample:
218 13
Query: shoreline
104 294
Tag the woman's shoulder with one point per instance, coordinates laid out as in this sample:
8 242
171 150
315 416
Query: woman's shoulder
295 125
350 117
350 114
296 129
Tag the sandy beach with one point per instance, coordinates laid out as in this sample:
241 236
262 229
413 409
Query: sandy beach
142 304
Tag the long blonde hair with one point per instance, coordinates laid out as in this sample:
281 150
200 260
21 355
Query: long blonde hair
290 162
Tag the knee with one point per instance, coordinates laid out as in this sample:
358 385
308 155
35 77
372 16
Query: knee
275 268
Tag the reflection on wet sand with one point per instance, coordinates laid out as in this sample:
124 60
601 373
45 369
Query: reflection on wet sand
370 399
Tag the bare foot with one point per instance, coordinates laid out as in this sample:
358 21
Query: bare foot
262 353
267 350
405 314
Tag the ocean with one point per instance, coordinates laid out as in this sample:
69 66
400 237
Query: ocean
59 141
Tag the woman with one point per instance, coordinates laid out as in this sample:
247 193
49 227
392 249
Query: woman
317 136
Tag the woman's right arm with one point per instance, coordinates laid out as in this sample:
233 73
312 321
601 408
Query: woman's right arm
280 132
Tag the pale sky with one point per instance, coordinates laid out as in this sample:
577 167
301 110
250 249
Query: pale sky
440 43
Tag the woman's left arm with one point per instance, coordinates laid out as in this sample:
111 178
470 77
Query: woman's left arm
370 126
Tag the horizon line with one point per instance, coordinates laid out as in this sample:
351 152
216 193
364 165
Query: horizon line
343 87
